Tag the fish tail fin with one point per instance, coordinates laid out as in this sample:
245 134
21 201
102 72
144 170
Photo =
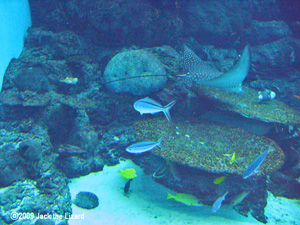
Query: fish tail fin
169 196
159 142
166 109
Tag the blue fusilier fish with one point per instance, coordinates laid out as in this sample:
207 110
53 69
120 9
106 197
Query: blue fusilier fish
148 105
143 146
218 203
250 170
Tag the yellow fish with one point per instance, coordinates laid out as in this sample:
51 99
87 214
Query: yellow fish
186 199
128 173
219 180
232 158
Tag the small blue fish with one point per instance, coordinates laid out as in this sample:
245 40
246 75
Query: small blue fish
148 105
143 146
218 203
250 170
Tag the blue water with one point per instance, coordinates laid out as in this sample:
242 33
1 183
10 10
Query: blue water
67 115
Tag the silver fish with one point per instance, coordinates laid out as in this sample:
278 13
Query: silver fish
239 198
148 105
143 146
218 203
250 170
202 73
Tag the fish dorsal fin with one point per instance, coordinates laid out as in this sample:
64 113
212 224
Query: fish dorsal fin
232 80
151 101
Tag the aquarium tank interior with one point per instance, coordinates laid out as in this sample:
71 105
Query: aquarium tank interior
145 112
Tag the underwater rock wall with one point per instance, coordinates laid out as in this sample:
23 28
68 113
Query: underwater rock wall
154 23
162 22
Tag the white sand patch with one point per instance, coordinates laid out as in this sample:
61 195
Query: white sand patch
145 204
281 210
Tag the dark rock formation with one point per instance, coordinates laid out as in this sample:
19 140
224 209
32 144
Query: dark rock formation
276 57
32 79
215 22
110 22
266 32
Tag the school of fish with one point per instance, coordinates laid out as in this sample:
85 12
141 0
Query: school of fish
198 71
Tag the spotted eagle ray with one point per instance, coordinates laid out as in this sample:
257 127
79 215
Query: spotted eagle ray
199 72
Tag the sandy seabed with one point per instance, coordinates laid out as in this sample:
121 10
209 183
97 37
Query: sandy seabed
146 203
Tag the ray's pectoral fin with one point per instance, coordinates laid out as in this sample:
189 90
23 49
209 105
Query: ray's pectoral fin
232 80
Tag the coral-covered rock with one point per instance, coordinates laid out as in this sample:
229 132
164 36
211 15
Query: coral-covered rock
29 197
137 72
75 166
57 62
248 105
13 97
31 150
33 79
82 134
204 145
22 155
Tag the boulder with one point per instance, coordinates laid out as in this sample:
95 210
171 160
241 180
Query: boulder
276 58
266 32
31 150
86 200
135 72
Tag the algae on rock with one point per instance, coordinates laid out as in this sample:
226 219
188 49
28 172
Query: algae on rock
247 104
202 145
